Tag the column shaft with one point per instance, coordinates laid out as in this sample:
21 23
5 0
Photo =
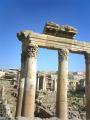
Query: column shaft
87 90
37 82
30 83
55 85
21 86
44 82
61 101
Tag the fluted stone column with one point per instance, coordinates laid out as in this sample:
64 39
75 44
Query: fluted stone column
21 85
87 59
61 100
30 82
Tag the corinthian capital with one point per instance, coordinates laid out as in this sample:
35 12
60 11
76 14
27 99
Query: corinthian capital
63 54
24 35
31 51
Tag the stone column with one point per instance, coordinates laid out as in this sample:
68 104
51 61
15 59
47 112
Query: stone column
44 82
55 85
61 100
3 93
30 82
37 84
21 85
87 89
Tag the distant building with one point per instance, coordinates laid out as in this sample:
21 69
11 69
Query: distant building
47 81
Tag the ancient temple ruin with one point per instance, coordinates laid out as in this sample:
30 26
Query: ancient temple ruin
54 37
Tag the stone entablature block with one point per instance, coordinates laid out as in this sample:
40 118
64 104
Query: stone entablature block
51 42
54 29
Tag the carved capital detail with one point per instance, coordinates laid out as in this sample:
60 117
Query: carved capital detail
63 54
31 51
87 58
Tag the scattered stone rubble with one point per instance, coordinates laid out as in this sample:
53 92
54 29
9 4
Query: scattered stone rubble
44 100
76 107
8 85
4 107
26 118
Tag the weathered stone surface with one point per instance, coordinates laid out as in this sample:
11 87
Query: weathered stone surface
28 107
54 29
58 38
52 42
8 94
21 78
36 118
87 59
61 101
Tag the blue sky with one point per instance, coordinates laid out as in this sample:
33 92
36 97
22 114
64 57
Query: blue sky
17 15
